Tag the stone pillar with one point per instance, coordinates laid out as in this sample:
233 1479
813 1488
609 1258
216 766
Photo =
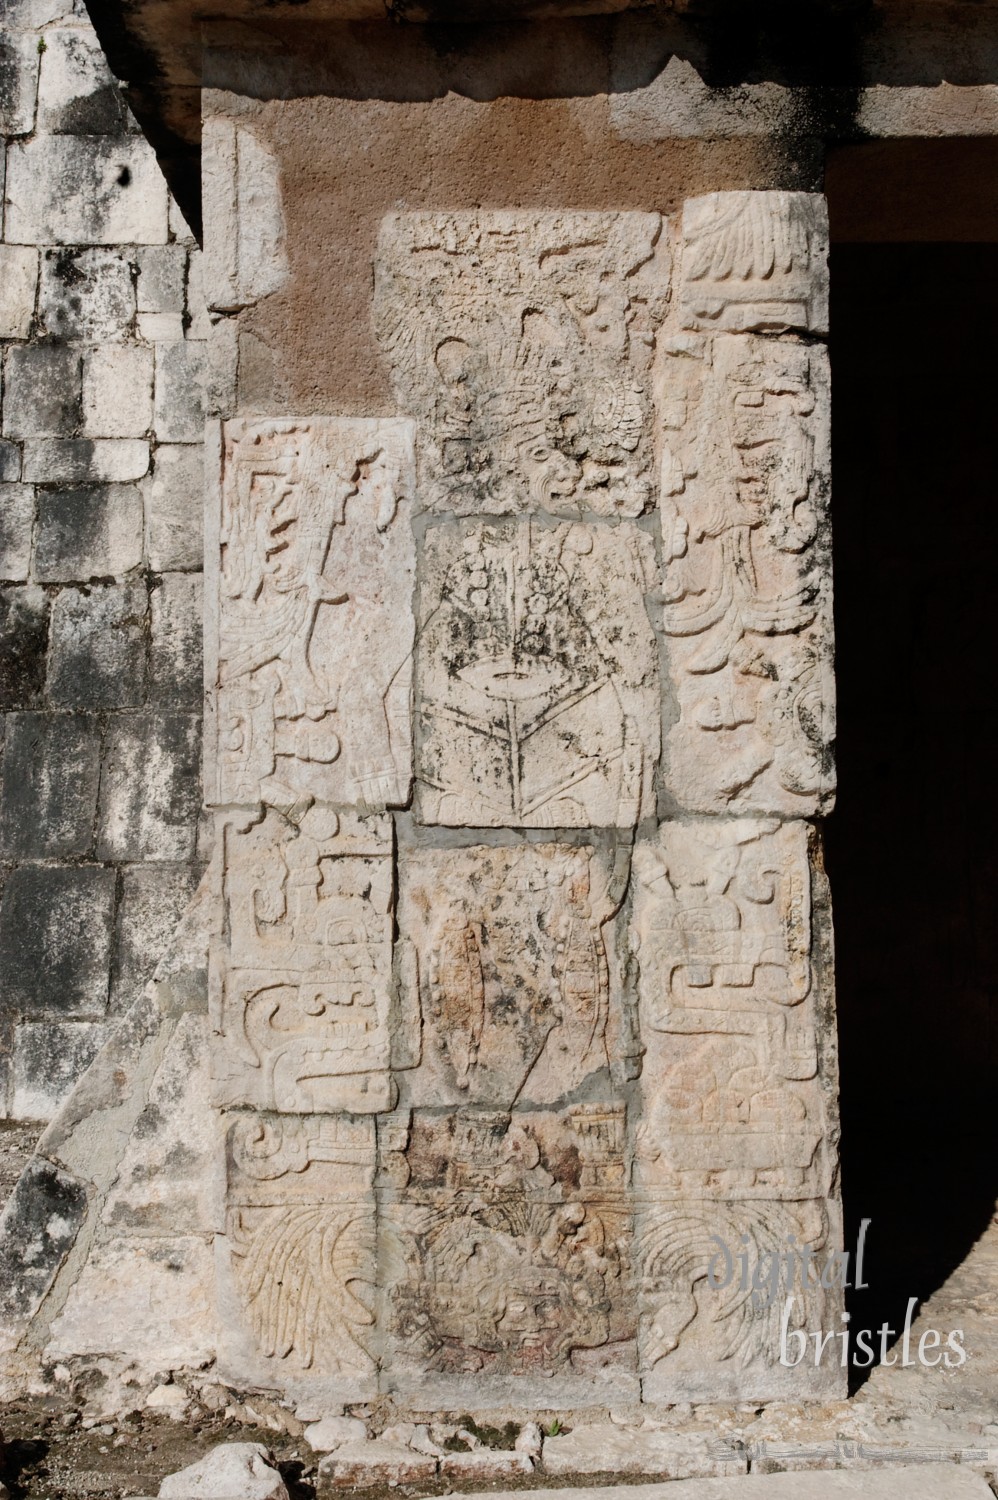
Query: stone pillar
519 698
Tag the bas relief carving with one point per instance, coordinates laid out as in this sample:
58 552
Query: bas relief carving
497 1072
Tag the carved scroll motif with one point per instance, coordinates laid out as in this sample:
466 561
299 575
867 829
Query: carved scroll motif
537 676
300 1232
315 560
522 344
301 994
747 592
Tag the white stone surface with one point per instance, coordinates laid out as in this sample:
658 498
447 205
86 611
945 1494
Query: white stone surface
160 327
73 70
84 460
20 74
605 1448
245 258
363 1465
905 1482
232 1471
18 282
333 1432
173 498
84 190
69 1046
117 391
17 514
485 1465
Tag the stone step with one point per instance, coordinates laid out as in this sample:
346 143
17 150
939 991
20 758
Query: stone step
906 1482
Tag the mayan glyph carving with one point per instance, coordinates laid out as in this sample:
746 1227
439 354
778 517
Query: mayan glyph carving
298 1253
522 344
736 1136
301 989
314 558
747 573
537 676
755 261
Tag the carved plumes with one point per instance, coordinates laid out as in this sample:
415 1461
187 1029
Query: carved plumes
744 239
298 1268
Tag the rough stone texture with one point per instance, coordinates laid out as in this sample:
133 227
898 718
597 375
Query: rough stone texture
39 1225
907 1482
95 506
234 1471
362 1465
604 1448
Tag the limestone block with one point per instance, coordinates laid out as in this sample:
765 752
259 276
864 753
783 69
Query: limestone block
55 940
364 1465
485 1465
197 303
736 1144
19 71
536 675
747 587
117 391
232 1471
51 768
87 294
149 796
300 999
332 1432
24 631
905 1482
97 646
84 460
173 496
296 1264
153 899
144 1298
37 1230
755 261
178 416
161 278
18 284
10 462
89 190
522 343
176 667
310 560
245 256
160 327
49 1057
92 531
603 1447
17 515
77 92
42 391
483 925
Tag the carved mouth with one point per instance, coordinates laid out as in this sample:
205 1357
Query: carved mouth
512 681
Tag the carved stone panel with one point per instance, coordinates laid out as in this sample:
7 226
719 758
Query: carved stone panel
310 555
747 574
301 987
737 1134
511 973
297 1265
755 261
522 343
537 675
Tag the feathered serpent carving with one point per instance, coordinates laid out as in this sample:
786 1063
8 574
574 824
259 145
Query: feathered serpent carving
304 1271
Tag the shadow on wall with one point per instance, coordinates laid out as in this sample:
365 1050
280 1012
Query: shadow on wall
912 847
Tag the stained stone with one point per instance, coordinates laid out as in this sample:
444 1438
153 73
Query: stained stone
38 1227
363 1465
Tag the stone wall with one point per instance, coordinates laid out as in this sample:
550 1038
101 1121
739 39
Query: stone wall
101 329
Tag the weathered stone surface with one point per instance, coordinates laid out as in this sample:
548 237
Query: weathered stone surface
85 460
37 1230
176 666
522 342
363 1465
55 938
536 676
173 495
310 558
42 391
488 1465
93 531
906 1482
178 407
755 261
747 596
49 1056
51 771
604 1448
736 1142
18 283
18 83
17 515
332 1432
87 294
245 257
149 790
117 391
24 632
162 269
84 190
152 902
97 648
77 93
10 461
232 1471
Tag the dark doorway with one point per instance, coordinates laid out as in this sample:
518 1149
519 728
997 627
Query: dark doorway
912 847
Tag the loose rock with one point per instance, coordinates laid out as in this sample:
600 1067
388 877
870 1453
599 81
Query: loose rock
233 1471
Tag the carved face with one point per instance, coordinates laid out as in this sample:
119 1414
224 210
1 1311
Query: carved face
550 474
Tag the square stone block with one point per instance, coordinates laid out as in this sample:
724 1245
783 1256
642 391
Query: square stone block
55 950
91 531
49 1059
162 270
176 657
89 190
85 460
51 771
150 790
117 391
42 391
179 413
153 900
87 294
173 495
97 650
24 636
77 92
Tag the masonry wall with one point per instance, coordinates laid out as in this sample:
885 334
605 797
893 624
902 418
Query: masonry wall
101 329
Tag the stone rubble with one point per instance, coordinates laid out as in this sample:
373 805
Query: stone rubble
233 1471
